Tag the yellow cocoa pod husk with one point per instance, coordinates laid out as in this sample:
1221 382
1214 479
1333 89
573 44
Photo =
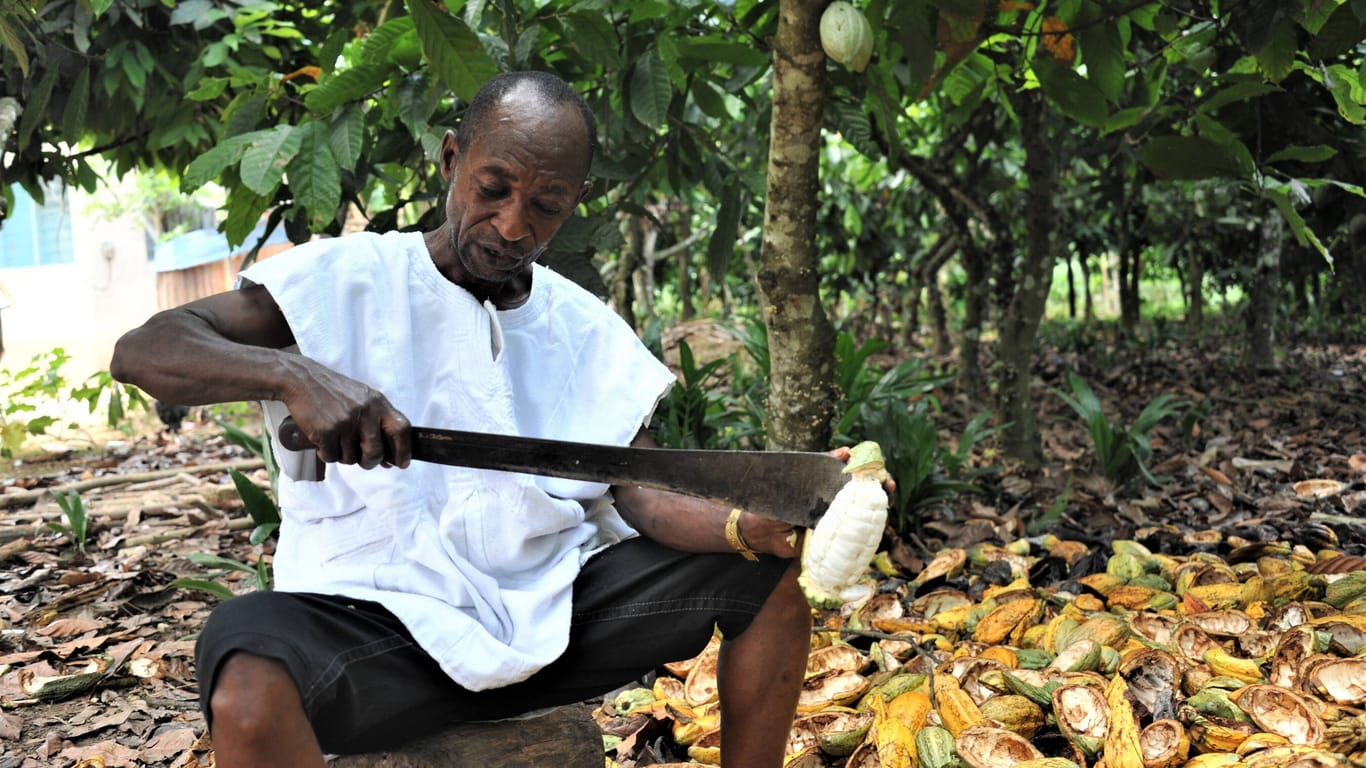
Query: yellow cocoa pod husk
895 736
953 619
1214 760
1211 734
1005 655
1008 622
891 687
840 656
1101 582
1164 744
985 746
707 748
1057 630
1083 716
955 707
1015 713
1047 762
1226 664
1296 755
1122 746
1133 598
1259 741
1216 597
834 688
1104 628
1281 712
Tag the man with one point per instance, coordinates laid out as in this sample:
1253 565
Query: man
413 596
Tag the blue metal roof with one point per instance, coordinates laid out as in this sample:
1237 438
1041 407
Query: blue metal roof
205 246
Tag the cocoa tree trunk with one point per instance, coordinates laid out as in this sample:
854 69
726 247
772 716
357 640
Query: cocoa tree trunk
970 379
1025 309
1264 292
623 282
1195 291
801 402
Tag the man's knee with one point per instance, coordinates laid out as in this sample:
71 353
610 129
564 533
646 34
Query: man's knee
250 692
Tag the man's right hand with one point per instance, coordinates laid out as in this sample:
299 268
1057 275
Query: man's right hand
348 423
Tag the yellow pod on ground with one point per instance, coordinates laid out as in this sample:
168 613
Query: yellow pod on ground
956 709
1008 622
1225 664
1164 744
1214 760
1123 748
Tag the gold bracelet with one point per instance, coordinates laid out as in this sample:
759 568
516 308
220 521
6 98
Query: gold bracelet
737 542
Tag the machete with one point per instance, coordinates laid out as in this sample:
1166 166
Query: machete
792 486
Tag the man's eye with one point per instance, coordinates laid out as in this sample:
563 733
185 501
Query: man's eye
492 193
548 210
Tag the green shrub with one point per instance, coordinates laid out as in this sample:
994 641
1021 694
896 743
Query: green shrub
1122 452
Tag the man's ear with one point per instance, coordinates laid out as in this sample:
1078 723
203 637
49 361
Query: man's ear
450 154
583 193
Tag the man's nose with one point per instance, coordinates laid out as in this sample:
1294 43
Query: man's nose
512 222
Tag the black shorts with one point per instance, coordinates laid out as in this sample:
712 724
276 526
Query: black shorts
366 685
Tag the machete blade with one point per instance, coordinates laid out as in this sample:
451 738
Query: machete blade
792 486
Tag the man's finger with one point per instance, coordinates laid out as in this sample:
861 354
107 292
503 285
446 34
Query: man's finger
398 436
372 445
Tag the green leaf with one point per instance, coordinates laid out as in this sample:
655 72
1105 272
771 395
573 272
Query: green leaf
1343 84
721 245
375 46
203 585
713 50
1277 58
35 107
189 11
218 561
650 91
209 88
244 213
73 117
257 502
1343 30
347 85
1304 235
458 58
853 124
1189 157
592 35
314 176
1102 50
1074 95
709 99
263 164
347 135
211 164
1240 91
417 101
1304 154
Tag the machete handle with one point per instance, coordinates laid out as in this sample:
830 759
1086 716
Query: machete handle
291 436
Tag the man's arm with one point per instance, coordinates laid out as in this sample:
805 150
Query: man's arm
691 524
229 347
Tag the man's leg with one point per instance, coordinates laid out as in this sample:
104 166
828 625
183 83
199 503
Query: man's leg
258 717
760 676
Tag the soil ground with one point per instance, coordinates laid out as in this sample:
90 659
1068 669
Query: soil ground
107 624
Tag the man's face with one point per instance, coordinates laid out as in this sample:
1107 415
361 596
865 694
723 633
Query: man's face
519 179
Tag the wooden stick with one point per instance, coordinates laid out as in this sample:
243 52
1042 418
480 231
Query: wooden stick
23 498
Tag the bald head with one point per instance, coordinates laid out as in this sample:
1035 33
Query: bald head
543 87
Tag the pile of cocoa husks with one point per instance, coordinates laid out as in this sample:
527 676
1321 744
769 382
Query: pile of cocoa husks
1238 653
